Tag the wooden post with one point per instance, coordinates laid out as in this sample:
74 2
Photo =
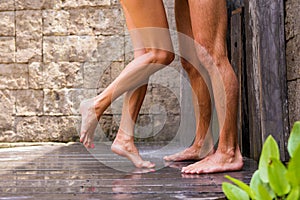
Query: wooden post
238 63
266 74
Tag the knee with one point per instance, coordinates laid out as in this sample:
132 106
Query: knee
162 57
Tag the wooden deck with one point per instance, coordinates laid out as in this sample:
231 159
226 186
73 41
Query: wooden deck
71 172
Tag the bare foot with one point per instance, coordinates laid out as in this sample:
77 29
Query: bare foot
217 162
89 122
128 150
191 153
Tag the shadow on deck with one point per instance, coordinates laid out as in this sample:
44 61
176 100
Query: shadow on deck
71 172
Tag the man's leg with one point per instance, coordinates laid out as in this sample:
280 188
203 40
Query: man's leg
209 25
203 143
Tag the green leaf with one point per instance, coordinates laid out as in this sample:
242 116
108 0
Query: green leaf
277 179
270 149
233 192
294 194
294 139
242 185
293 171
261 190
263 193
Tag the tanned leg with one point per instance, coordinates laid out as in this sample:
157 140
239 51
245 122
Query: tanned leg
209 23
124 141
158 53
203 143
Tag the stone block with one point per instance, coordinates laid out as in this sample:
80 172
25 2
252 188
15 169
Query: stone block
29 102
7 102
167 77
115 2
171 19
110 48
56 22
65 101
293 57
82 22
46 129
96 21
69 48
143 128
7 136
7 5
294 101
55 49
84 3
115 69
105 124
29 24
292 34
96 74
58 102
169 3
129 51
7 23
52 4
109 21
292 23
63 75
147 105
165 129
81 48
7 49
13 76
117 105
38 4
166 100
28 36
35 76
28 49
29 4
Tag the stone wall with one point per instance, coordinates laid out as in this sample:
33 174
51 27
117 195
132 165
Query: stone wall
292 26
55 53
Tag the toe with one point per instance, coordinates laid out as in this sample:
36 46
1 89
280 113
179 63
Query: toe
91 145
82 136
151 165
148 164
187 169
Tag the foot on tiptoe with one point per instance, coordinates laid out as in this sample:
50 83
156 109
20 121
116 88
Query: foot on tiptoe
89 123
127 149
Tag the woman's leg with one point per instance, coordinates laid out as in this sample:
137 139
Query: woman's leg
209 24
133 100
203 143
152 29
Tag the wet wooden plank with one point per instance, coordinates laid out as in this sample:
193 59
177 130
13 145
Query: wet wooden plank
60 173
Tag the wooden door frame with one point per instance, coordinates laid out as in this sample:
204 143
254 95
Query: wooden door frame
258 56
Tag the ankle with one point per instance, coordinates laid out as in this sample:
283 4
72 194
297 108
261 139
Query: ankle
123 139
230 152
